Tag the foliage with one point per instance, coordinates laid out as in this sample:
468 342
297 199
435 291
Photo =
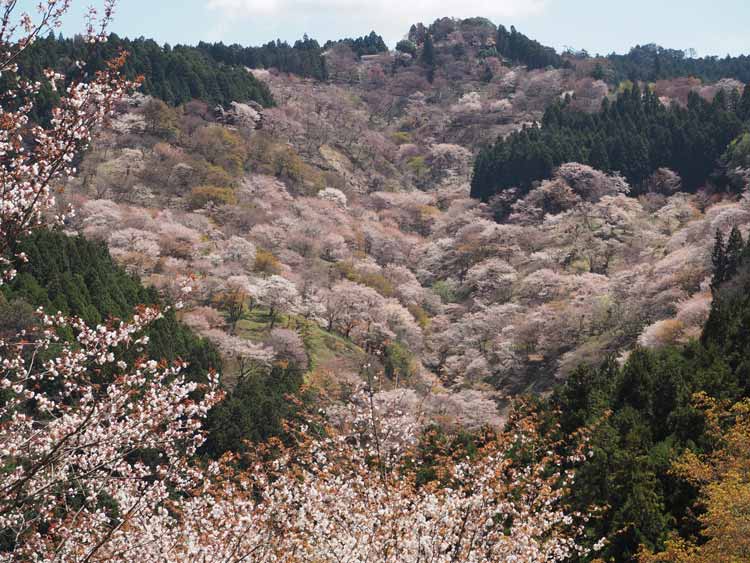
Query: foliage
722 479
174 75
76 277
519 48
371 44
266 263
160 119
427 58
94 435
652 62
407 47
254 410
635 135
304 58
201 196
646 418
738 152
398 363
354 495
221 147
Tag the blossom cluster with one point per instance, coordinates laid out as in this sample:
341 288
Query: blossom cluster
33 156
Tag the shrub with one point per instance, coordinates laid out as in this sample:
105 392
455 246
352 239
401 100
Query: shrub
201 196
266 263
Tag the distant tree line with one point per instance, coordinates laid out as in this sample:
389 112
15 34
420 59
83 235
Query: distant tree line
518 47
174 74
371 44
652 62
634 135
304 58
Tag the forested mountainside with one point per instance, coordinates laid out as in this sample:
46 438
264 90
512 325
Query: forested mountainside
176 75
470 281
78 277
652 62
635 135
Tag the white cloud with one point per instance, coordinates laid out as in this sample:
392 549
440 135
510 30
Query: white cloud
326 19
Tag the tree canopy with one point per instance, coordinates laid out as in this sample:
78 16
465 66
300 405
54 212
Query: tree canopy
645 417
635 135
304 57
370 44
653 62
78 277
174 74
517 47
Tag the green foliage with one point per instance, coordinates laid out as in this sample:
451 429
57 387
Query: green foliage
644 417
446 290
598 72
221 147
652 62
399 364
175 75
418 166
401 137
253 411
371 44
201 196
635 135
15 316
161 120
78 277
727 258
738 152
517 47
304 58
427 57
407 47
743 107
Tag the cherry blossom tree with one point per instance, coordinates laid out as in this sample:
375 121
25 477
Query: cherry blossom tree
75 475
98 442
34 156
288 347
244 353
491 280
279 295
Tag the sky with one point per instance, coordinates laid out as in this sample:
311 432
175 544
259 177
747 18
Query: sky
599 26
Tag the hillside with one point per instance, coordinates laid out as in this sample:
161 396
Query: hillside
466 234
348 193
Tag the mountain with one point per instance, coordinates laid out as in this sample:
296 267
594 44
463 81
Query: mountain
471 226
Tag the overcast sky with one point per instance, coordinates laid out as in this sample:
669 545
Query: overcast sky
719 27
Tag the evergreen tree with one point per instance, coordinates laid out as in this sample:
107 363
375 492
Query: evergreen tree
253 411
634 135
744 107
733 253
652 62
517 47
174 74
428 57
371 44
487 75
407 47
78 277
598 72
719 261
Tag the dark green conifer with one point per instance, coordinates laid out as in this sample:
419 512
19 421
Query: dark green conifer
428 57
719 261
733 253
